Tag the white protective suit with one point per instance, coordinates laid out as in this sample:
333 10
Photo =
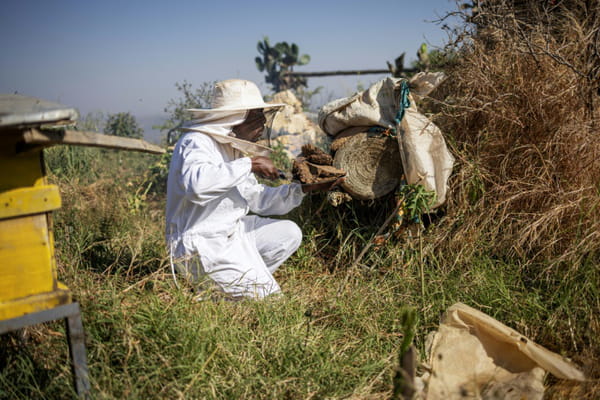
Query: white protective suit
210 192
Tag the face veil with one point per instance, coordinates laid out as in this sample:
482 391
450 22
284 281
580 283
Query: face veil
270 115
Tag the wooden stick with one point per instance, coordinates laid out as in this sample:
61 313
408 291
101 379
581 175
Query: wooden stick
51 137
350 72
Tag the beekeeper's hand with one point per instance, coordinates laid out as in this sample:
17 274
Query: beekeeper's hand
322 187
264 167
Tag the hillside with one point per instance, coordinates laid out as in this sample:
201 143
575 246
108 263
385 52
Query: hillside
518 238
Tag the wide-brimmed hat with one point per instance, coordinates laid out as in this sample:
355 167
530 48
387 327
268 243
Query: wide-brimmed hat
234 95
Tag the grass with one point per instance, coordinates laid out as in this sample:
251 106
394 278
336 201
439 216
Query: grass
336 333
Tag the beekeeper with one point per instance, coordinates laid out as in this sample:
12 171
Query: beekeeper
212 187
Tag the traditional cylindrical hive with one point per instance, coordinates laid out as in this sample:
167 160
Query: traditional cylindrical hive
372 164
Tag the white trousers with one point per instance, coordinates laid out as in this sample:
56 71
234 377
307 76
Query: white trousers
243 263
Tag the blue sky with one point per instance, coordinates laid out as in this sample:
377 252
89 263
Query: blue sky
119 55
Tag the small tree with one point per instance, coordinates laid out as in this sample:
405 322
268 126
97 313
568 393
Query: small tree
92 121
434 60
277 61
190 98
123 124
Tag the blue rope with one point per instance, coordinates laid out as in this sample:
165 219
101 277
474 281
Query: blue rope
402 106
404 102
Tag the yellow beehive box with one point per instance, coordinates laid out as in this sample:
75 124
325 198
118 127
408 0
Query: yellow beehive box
27 265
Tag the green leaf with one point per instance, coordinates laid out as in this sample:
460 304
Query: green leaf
304 59
259 64
280 47
289 60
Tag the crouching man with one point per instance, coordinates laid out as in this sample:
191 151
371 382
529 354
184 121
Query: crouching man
212 187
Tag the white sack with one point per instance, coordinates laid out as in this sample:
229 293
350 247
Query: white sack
423 83
376 106
425 157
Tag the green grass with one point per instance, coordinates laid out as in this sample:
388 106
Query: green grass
336 332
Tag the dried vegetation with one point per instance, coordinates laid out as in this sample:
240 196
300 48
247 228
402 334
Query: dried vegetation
522 106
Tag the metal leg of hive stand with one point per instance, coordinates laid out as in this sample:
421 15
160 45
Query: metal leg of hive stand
75 337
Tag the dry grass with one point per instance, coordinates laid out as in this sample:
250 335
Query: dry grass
524 115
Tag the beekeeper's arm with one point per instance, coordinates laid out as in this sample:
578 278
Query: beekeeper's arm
204 176
267 200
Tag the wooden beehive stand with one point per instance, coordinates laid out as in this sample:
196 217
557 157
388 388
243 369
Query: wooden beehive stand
29 290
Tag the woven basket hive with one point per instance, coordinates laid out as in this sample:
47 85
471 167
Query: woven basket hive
372 164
